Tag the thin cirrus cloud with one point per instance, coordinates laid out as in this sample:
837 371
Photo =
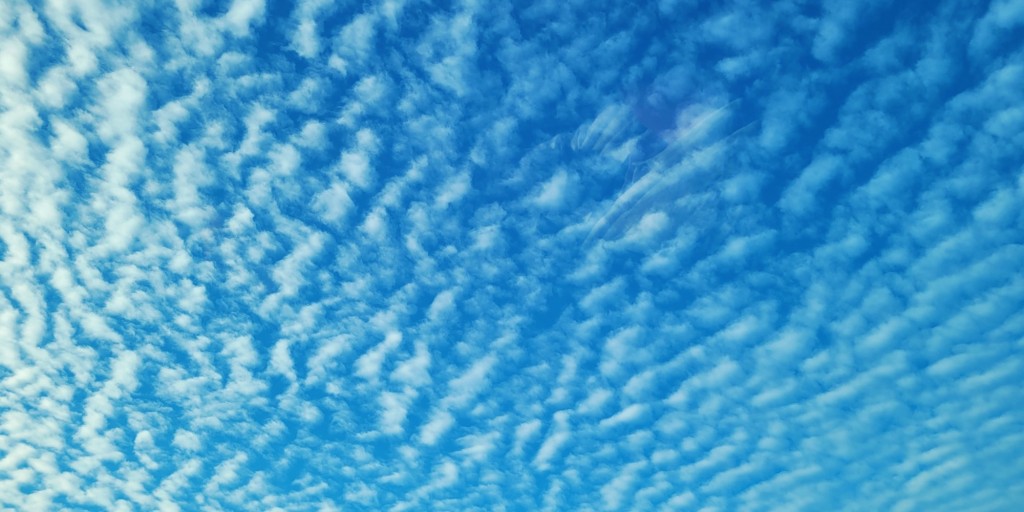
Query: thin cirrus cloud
396 256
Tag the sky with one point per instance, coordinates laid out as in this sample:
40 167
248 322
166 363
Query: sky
559 255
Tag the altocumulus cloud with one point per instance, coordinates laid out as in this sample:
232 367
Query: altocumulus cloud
395 255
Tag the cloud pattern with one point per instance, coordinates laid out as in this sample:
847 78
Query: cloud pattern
464 256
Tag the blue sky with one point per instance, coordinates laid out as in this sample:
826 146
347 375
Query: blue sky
394 255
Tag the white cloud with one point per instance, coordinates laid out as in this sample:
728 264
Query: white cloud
12 62
55 88
305 39
395 408
281 360
599 297
68 144
612 293
122 95
368 366
615 492
619 348
464 388
595 401
453 190
801 194
186 440
442 305
356 167
320 363
549 448
414 371
629 414
478 448
334 203
555 192
647 229
243 15
440 422
524 432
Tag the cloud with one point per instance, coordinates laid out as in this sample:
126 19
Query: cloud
524 432
443 304
69 144
595 401
510 257
414 371
627 415
556 438
464 388
334 203
243 15
305 37
395 408
800 195
186 440
440 422
554 192
369 364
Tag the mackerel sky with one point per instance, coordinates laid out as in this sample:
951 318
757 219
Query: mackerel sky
559 255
